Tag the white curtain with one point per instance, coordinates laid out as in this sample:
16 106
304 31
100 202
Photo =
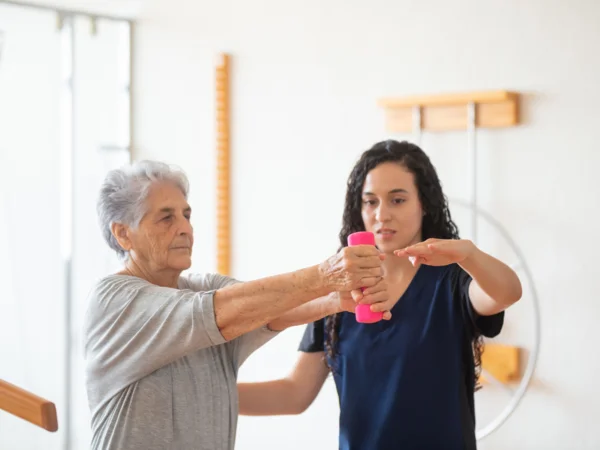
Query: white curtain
32 332
52 168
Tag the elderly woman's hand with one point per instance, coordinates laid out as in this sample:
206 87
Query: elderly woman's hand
352 268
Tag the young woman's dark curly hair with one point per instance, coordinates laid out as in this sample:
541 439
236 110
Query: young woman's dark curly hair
437 222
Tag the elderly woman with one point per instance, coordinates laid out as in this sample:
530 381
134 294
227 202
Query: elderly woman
163 349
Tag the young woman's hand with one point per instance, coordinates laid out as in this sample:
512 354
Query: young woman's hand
376 296
438 252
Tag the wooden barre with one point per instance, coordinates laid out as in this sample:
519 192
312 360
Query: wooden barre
28 406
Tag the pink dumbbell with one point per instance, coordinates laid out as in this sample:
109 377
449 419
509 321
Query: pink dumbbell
363 312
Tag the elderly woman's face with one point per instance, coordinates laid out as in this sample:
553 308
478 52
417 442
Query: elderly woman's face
164 237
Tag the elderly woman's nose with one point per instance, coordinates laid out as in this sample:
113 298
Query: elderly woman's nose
185 227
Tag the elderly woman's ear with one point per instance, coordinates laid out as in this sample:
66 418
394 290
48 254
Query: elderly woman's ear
119 231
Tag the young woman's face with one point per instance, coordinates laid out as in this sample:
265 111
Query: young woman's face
391 208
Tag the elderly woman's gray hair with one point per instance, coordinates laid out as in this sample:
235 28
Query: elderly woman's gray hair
124 191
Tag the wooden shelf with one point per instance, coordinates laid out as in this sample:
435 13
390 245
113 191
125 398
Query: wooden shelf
445 112
28 406
503 362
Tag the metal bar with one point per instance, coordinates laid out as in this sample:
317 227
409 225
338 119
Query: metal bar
67 12
68 363
416 125
69 287
472 144
131 91
533 355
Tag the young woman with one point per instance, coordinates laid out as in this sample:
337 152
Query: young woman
407 382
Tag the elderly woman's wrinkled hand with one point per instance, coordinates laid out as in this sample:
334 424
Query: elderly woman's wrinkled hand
352 268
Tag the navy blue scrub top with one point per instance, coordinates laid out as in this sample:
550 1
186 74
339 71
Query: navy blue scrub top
408 383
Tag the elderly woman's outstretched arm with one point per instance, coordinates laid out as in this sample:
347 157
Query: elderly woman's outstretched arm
247 306
134 327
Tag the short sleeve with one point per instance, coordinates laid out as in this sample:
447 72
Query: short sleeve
488 326
201 282
246 344
133 328
313 340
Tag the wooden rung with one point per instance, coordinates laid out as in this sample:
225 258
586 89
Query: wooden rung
28 406
447 112
502 362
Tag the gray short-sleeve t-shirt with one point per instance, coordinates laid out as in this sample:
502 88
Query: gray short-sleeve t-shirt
159 374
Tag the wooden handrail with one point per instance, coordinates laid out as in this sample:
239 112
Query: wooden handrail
28 406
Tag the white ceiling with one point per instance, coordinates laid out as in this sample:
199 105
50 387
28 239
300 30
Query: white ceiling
122 8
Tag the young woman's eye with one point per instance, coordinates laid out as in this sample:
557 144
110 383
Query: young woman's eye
369 202
398 201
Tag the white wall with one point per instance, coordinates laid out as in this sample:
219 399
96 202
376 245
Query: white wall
306 77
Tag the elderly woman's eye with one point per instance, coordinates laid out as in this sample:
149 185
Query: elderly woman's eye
169 217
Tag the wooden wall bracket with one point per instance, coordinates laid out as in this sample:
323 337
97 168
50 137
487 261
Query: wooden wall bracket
503 362
493 109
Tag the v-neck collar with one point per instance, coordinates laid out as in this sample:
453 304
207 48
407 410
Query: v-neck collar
412 289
